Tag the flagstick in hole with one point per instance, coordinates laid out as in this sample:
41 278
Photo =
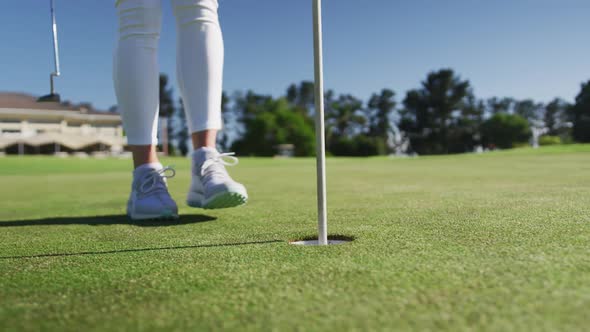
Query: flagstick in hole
319 132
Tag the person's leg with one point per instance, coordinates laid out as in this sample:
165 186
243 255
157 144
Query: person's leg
143 154
200 55
135 76
206 138
199 64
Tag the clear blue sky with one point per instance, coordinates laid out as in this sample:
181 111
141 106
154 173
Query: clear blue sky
520 48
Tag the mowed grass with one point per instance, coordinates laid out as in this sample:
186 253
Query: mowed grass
499 241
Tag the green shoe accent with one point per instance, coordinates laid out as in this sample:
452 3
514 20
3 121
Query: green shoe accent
226 200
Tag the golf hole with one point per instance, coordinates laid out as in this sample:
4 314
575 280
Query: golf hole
332 240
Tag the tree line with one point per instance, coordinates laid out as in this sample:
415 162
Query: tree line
441 116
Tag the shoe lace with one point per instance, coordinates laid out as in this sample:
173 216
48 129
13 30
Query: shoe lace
155 180
226 159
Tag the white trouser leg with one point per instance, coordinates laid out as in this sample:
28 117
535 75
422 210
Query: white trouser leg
199 63
135 70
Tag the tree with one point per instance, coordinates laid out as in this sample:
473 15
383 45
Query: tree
249 105
379 113
357 131
465 133
166 109
224 135
246 108
499 105
270 122
431 112
581 115
505 130
529 110
302 96
166 99
556 116
181 135
329 100
345 116
358 145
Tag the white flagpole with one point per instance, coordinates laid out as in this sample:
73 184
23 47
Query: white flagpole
319 124
55 47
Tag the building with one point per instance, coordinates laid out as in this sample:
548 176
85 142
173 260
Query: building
31 127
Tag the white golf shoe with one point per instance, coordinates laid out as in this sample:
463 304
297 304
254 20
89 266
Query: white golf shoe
149 197
211 186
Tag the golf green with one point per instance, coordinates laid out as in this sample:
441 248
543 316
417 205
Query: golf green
498 241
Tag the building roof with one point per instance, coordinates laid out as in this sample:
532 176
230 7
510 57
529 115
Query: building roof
74 142
21 106
20 100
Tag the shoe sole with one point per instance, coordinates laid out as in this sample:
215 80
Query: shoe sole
221 201
225 200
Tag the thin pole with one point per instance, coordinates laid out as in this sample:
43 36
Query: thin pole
55 46
319 124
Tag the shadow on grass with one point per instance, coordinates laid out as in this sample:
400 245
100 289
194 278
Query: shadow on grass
84 253
108 220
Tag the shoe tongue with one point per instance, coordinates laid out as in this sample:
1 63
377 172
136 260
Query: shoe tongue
202 154
146 168
141 173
